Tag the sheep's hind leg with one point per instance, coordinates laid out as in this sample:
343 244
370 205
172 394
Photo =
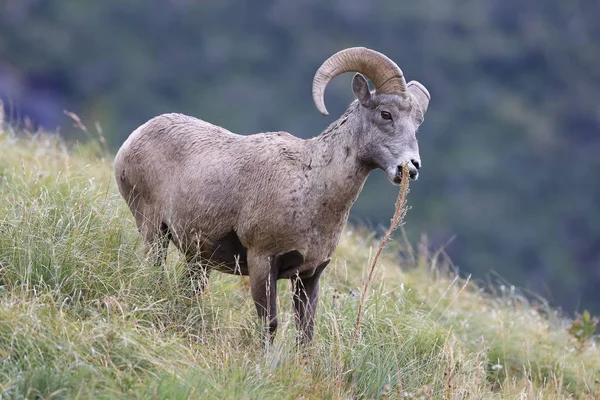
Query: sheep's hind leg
156 238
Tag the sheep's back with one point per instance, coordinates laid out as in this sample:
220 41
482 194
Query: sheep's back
204 175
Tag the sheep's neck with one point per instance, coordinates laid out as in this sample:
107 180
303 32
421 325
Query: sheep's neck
334 161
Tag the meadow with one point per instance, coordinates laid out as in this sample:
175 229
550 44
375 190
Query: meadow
84 316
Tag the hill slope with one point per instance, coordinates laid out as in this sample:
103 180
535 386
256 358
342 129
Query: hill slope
82 315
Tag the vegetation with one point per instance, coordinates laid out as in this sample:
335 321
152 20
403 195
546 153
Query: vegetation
510 144
83 316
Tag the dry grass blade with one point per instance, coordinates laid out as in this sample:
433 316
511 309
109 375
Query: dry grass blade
101 140
399 214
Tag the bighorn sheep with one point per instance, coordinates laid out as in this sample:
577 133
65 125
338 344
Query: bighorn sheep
270 205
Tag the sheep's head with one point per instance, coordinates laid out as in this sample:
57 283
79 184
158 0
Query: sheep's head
388 117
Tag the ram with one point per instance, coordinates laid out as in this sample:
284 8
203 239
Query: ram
270 205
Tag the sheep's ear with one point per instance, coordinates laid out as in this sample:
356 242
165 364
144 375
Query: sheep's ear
420 95
360 87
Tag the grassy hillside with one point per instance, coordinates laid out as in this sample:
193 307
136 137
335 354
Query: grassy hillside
82 315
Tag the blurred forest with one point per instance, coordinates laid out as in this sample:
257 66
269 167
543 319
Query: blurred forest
510 144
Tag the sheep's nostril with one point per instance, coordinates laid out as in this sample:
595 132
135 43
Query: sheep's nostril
416 163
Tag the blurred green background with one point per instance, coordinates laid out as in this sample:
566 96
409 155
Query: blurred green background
510 144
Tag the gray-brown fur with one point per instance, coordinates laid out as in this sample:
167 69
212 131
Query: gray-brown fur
268 205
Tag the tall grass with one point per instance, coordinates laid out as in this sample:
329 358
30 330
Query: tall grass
83 316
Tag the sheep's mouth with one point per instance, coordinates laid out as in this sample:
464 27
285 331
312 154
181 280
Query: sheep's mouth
412 174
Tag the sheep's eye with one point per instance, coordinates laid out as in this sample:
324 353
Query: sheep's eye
386 115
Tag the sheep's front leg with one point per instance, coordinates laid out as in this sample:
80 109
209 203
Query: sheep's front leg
306 291
263 286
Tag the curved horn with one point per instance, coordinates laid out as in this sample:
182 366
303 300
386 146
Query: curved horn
383 72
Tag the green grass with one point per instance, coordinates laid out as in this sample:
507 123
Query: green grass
83 316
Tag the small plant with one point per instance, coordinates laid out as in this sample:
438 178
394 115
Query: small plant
83 316
583 327
397 220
